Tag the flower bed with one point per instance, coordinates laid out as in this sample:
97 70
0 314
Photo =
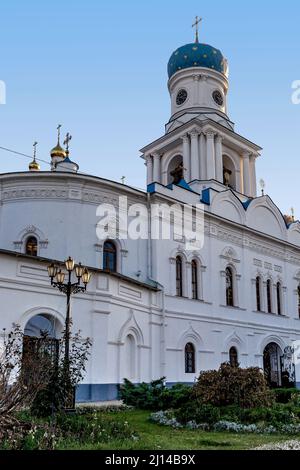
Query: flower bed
167 418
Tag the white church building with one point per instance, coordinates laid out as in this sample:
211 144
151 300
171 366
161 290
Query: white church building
152 307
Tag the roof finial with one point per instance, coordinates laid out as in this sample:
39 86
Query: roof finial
58 133
34 165
262 185
293 214
196 26
34 151
67 141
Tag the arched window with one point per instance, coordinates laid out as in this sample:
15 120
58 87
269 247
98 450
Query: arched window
278 297
189 353
258 298
269 296
298 291
229 179
175 170
233 357
194 280
130 357
229 287
109 256
178 276
31 246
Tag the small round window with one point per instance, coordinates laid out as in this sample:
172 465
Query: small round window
181 97
218 98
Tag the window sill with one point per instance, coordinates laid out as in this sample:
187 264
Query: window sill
271 314
233 307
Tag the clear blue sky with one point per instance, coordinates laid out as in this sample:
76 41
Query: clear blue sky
99 68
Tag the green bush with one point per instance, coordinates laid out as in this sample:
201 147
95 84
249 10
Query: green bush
198 412
275 416
154 395
284 395
231 413
246 388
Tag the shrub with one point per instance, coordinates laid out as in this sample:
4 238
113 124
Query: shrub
277 415
231 413
229 385
284 395
197 412
154 395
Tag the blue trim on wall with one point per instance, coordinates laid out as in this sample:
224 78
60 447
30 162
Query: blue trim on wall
151 188
107 392
205 197
247 203
97 392
171 384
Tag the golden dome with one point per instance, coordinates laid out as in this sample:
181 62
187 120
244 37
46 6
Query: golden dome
34 166
58 151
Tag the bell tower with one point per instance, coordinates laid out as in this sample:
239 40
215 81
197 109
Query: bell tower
198 82
200 148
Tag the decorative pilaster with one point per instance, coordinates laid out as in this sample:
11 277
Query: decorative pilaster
172 280
202 160
149 165
188 280
246 173
284 306
253 175
236 300
253 295
222 287
210 157
219 158
194 155
156 167
186 157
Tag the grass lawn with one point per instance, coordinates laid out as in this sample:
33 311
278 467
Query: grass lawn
156 437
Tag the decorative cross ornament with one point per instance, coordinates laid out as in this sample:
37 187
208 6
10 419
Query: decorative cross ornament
58 131
67 141
196 26
123 179
34 150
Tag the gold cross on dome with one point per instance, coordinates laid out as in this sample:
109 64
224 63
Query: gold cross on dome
196 26
34 150
67 141
58 131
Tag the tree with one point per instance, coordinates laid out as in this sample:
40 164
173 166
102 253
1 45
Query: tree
35 377
20 378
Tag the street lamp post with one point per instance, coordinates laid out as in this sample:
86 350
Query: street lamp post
69 288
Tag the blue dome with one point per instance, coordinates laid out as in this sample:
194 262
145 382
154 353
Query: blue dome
197 55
